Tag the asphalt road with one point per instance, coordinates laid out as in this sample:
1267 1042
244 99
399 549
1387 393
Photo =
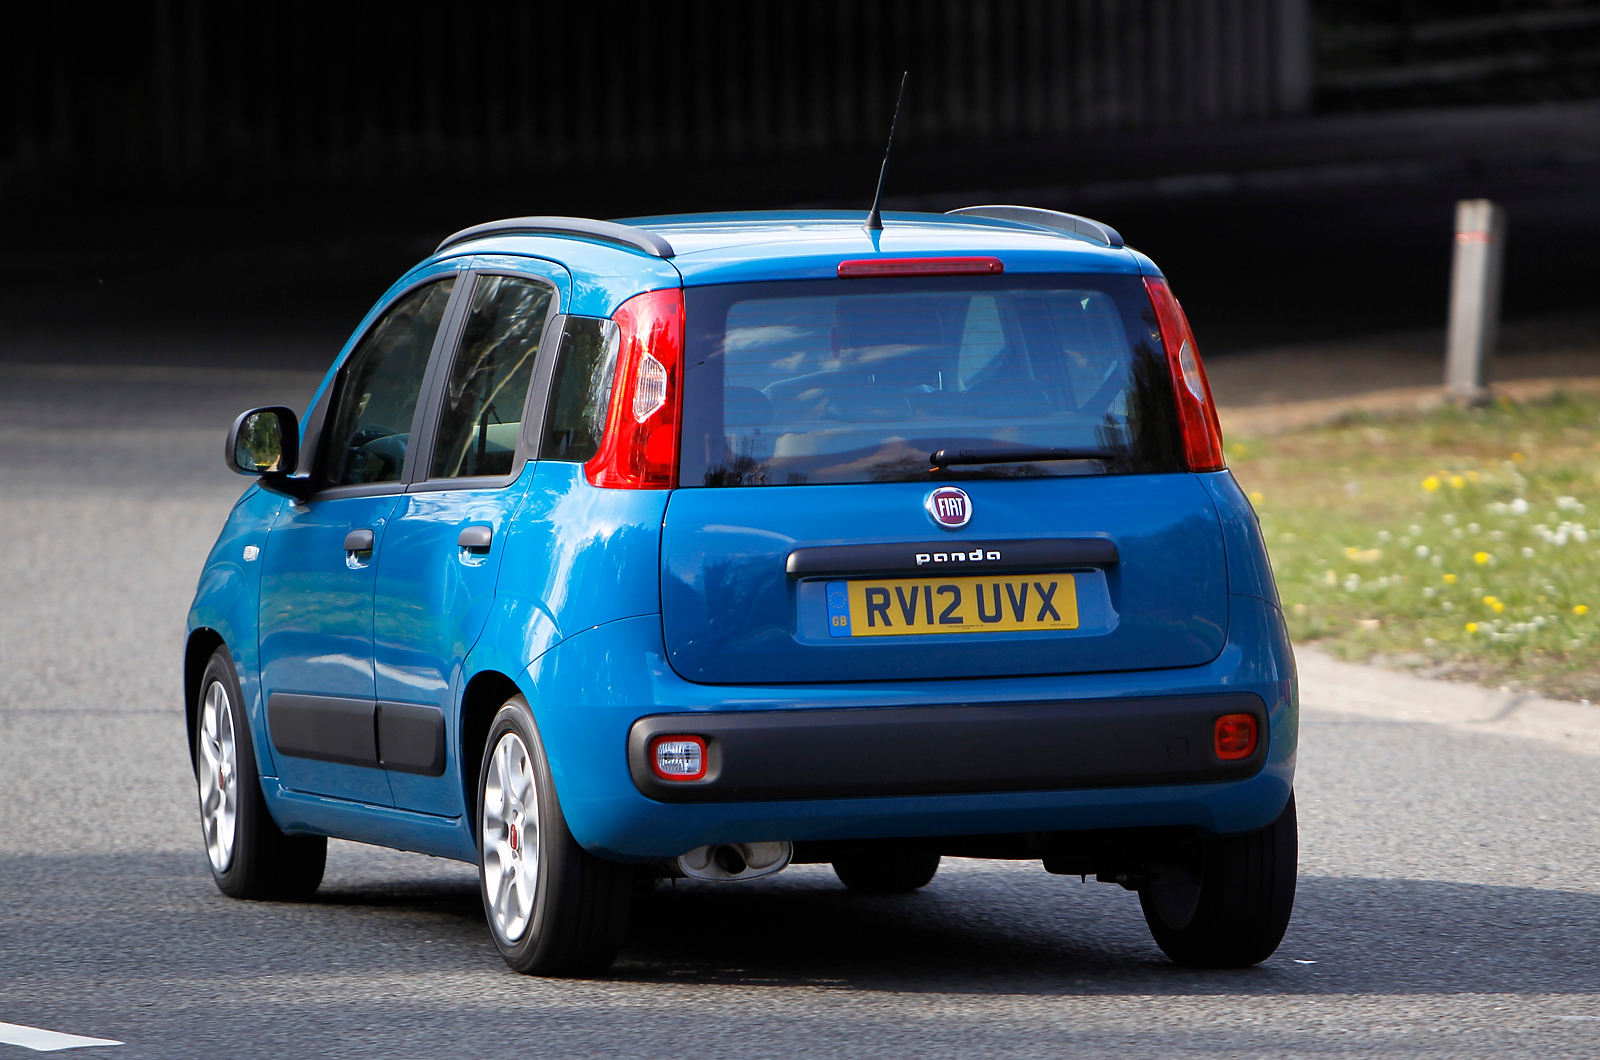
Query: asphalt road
1449 891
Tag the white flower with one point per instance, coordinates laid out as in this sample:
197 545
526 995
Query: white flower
1527 553
1569 504
1422 551
1518 507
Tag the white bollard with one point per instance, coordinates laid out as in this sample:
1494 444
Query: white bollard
1474 298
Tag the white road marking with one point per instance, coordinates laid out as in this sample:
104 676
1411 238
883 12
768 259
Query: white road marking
46 1041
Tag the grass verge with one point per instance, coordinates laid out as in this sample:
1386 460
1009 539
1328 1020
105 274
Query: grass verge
1460 542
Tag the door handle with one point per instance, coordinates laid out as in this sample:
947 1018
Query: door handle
358 541
475 538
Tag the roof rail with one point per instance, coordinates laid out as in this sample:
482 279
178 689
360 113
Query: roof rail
610 231
1069 223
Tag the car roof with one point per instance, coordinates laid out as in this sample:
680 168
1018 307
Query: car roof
716 248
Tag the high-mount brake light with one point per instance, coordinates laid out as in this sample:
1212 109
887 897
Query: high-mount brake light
862 267
1197 412
640 446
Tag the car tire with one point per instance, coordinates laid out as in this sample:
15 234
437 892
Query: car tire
250 857
1246 895
887 871
562 911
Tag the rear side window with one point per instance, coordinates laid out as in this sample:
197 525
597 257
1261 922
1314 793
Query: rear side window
480 418
834 381
370 424
580 390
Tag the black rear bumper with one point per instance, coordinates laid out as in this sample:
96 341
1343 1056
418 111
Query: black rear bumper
956 749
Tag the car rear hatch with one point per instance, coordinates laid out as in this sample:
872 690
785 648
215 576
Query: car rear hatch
934 477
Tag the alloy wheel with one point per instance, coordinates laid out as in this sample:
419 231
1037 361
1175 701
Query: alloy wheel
510 831
219 774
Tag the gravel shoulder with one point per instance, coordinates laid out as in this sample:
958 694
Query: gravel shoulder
1328 685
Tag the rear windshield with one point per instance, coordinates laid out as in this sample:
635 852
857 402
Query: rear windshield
830 381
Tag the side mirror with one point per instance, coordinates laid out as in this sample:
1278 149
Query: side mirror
264 442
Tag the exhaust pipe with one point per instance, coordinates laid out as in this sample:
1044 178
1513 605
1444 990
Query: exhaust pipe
726 862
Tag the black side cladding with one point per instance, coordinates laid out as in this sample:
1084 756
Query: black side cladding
411 738
403 737
324 728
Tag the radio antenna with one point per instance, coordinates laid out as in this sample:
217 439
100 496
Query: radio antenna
874 217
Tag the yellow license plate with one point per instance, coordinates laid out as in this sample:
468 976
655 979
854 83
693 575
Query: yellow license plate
900 607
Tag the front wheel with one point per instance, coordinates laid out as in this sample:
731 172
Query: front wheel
250 856
1233 908
553 908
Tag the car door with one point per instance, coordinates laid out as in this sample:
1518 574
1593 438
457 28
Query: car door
446 536
319 560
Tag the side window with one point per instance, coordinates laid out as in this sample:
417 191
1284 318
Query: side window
481 415
370 426
580 390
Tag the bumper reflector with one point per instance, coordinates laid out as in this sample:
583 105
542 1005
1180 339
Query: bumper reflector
679 757
1236 736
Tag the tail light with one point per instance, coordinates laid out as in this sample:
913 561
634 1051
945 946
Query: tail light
680 758
1197 413
640 447
1236 736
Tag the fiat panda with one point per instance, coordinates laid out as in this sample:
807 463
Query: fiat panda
700 546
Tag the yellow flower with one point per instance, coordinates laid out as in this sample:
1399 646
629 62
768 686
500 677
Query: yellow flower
1581 609
1431 483
1472 476
1480 558
1256 496
1239 449
1449 579
1456 482
1472 627
1517 457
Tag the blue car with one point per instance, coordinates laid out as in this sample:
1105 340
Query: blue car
699 546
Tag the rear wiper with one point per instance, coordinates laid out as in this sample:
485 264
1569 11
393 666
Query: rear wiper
952 457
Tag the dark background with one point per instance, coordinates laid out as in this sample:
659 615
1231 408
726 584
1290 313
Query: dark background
172 169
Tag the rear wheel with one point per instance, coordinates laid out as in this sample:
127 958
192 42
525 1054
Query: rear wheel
1231 908
250 857
887 871
553 908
